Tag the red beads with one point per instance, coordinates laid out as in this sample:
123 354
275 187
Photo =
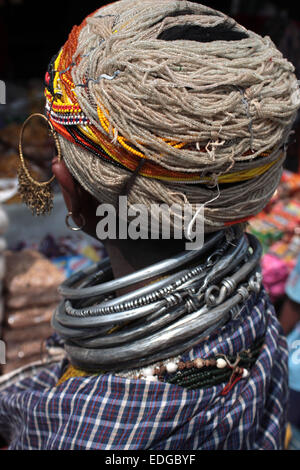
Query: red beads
47 78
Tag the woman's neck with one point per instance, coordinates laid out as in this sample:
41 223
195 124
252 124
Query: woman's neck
128 256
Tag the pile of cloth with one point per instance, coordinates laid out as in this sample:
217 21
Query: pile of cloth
277 228
31 296
68 253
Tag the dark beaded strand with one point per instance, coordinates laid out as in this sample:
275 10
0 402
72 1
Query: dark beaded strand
208 375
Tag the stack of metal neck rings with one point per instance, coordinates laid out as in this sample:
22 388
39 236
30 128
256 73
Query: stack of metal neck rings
196 293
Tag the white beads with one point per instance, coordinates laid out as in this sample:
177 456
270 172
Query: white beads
171 367
199 363
150 378
221 363
148 372
246 373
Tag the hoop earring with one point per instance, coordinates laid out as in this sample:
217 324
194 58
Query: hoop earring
75 229
38 196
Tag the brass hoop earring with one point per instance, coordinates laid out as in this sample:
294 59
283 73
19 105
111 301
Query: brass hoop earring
71 227
38 196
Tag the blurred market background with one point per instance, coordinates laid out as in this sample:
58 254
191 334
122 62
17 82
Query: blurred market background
35 256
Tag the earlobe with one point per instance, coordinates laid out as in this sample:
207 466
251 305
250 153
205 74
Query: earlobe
63 175
67 185
79 202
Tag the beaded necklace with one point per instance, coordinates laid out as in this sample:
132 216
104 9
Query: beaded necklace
192 375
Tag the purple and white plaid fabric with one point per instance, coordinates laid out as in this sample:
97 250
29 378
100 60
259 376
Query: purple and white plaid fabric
109 412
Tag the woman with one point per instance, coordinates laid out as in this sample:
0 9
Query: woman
167 347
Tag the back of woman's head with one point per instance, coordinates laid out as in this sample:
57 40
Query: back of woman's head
178 99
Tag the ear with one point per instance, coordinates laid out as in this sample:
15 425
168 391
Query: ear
78 201
68 186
